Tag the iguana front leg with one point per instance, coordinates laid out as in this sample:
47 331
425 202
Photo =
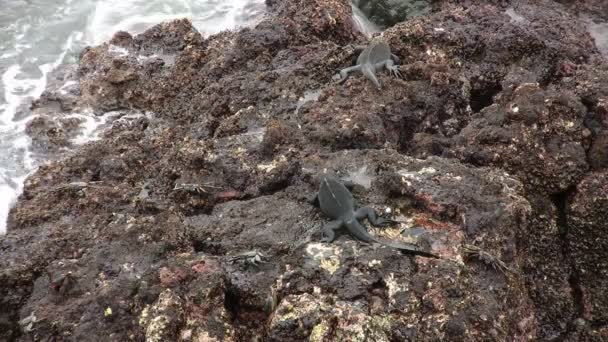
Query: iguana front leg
373 217
329 230
395 59
344 73
391 67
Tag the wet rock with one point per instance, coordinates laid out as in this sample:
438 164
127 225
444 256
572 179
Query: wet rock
587 243
168 37
387 13
547 272
535 134
122 39
51 135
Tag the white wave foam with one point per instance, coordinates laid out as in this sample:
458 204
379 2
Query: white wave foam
89 128
599 32
515 17
118 51
135 16
17 162
9 191
18 89
64 88
363 25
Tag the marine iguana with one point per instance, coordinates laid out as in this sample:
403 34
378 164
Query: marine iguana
373 57
337 202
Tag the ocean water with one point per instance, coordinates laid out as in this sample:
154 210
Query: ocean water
38 36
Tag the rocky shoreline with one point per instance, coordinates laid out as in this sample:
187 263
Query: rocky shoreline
491 150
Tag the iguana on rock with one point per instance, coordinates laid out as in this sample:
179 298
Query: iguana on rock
372 58
336 201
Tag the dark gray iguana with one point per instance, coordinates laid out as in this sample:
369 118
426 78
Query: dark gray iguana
372 58
336 201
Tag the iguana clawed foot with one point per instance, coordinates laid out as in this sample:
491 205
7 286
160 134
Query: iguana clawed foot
373 218
394 70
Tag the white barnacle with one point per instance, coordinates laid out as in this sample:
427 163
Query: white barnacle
374 263
428 170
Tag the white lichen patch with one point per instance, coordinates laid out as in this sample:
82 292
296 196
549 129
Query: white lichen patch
272 165
374 263
394 287
128 267
27 324
211 157
239 151
435 55
406 175
394 234
156 328
352 322
515 17
325 256
428 170
451 176
157 319
360 177
296 307
319 332
318 251
256 133
205 337
103 281
331 265
143 317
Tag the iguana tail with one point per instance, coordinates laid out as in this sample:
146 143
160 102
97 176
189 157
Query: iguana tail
360 233
410 249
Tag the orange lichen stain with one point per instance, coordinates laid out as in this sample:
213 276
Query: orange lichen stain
199 267
430 223
427 201
228 195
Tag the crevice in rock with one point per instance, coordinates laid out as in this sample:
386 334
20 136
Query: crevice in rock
560 201
552 76
483 97
590 121
251 321
598 324
595 152
208 247
231 302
